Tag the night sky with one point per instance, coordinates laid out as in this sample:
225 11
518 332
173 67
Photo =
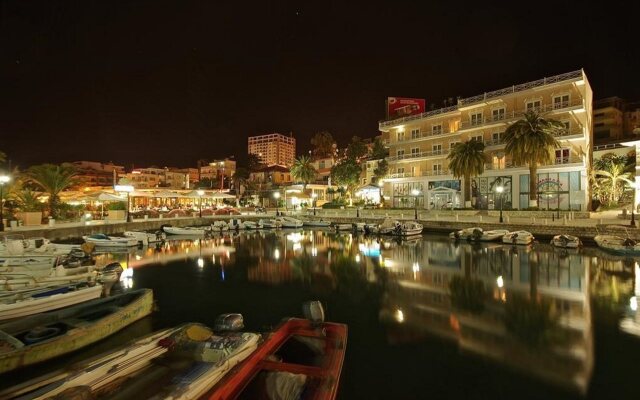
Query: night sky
169 82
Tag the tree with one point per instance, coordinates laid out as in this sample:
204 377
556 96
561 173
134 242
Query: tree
303 171
346 173
378 152
530 141
323 145
356 149
466 160
381 170
53 179
254 162
612 181
240 178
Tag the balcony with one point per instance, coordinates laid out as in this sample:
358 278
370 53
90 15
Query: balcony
422 135
424 154
559 162
412 174
566 135
400 175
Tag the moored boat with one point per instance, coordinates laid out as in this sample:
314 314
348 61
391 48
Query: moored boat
219 226
187 230
342 227
102 240
466 233
40 337
251 225
289 222
618 245
270 223
566 241
490 236
319 224
407 228
518 237
144 238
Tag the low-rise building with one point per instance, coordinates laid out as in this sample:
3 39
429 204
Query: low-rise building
153 177
96 174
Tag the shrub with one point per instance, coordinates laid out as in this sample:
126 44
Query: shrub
118 205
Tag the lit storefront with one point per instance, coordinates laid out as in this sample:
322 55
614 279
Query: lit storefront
563 189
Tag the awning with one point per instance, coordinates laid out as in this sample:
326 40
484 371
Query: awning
141 194
165 194
222 196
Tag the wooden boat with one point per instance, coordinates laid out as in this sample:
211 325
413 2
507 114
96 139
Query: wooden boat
489 236
566 241
278 362
102 240
618 245
44 336
36 300
289 222
317 224
144 238
177 363
518 237
188 230
270 223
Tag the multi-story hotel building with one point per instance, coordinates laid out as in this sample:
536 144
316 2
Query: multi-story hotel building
419 145
274 149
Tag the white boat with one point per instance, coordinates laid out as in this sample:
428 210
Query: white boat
289 222
387 226
318 224
518 237
145 238
102 240
187 230
234 224
467 233
490 236
251 225
219 226
195 358
33 301
566 241
618 245
15 260
270 223
23 281
407 228
343 227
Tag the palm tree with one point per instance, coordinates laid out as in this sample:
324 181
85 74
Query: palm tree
302 170
53 179
467 159
530 141
240 178
613 181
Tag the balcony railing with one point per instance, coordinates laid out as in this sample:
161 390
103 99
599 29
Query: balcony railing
422 135
400 175
558 162
418 155
412 174
560 135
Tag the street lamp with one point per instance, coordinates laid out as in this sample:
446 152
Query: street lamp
127 189
200 193
415 193
500 189
314 196
276 196
3 179
222 176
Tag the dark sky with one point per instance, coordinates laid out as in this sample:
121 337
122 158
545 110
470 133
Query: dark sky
168 82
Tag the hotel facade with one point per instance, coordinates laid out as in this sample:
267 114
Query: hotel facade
419 145
273 149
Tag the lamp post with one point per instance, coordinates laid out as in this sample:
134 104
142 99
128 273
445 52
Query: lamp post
3 179
314 196
222 176
415 193
500 190
200 194
276 196
127 189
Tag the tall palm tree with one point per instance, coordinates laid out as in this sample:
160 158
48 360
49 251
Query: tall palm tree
530 141
303 171
53 179
240 178
467 159
613 180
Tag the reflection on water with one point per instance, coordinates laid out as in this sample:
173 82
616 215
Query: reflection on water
531 309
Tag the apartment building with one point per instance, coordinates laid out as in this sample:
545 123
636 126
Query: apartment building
96 174
147 178
419 145
219 169
274 149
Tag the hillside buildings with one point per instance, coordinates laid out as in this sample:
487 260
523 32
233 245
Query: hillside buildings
273 149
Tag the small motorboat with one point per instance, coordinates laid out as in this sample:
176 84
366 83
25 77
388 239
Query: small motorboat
27 260
408 228
387 226
317 224
177 363
566 241
466 233
618 245
289 222
37 300
489 236
342 227
40 337
251 225
369 229
187 230
144 238
270 223
518 237
299 356
102 240
219 226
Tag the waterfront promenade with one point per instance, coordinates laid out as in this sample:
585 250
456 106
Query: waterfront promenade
542 224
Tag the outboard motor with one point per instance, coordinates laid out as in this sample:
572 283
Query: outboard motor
313 311
229 323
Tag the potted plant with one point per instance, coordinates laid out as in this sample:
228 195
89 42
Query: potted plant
117 211
30 207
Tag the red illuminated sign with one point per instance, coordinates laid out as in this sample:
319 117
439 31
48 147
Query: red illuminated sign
401 106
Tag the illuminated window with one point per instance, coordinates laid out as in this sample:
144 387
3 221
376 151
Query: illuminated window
415 133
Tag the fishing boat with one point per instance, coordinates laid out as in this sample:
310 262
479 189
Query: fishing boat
518 237
408 228
102 240
566 241
36 300
177 363
144 238
270 223
40 337
24 281
188 230
289 222
317 224
27 260
300 356
489 236
466 233
618 245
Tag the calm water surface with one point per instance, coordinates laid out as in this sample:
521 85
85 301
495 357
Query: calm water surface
428 318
